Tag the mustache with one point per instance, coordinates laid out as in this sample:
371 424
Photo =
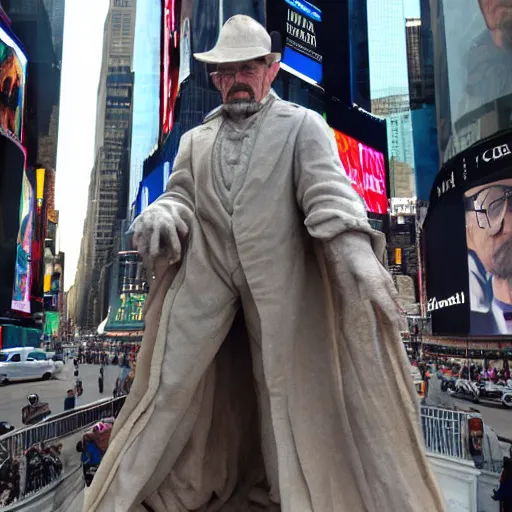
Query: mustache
242 88
502 261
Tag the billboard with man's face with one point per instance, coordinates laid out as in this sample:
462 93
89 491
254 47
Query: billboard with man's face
474 65
469 242
489 241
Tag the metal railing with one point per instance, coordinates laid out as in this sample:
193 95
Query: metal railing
60 425
444 431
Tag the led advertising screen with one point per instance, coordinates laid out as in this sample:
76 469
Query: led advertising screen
473 67
12 169
13 68
170 63
22 277
366 169
299 23
469 242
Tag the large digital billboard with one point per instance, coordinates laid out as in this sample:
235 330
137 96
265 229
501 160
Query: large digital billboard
12 168
299 23
22 276
170 63
473 66
13 68
469 242
367 171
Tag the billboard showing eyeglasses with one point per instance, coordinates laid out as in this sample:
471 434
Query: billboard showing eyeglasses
469 242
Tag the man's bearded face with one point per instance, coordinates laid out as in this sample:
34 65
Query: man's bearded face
498 17
493 250
244 82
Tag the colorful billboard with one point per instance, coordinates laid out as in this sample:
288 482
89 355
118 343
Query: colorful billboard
366 169
170 63
23 274
13 68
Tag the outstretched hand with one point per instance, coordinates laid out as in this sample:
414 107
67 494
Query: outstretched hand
159 231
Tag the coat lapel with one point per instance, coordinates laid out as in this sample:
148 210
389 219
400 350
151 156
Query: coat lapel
202 143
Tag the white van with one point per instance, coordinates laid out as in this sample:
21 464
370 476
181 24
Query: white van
24 363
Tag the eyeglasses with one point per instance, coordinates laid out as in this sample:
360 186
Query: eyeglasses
490 206
247 70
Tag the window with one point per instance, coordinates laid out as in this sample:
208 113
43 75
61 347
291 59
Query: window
37 356
3 357
15 358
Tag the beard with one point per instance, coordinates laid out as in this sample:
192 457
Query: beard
502 262
241 106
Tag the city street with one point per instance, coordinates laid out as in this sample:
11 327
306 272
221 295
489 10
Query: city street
494 415
14 396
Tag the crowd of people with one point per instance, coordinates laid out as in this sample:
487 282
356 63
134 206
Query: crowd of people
479 373
107 353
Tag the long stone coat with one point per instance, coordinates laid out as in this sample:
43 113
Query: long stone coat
303 403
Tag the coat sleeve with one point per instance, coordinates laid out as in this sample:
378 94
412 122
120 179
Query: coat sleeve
324 192
179 191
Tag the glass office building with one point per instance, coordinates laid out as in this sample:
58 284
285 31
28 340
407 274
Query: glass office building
389 88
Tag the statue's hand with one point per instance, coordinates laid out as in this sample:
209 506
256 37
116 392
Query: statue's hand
158 231
353 260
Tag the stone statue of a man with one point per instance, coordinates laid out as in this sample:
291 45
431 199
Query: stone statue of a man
272 376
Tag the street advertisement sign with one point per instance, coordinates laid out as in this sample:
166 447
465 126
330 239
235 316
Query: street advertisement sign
299 23
23 272
366 169
13 70
170 63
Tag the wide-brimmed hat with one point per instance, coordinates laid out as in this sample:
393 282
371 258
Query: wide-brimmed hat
241 38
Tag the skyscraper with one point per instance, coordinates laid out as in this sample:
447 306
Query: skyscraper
389 88
108 190
420 59
146 89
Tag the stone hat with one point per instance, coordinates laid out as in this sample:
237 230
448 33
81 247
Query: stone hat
241 38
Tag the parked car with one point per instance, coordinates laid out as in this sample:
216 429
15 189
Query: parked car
24 363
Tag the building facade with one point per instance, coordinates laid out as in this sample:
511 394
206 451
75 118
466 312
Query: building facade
39 26
389 88
420 59
108 189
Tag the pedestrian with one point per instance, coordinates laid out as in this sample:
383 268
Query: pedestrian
504 492
69 401
100 380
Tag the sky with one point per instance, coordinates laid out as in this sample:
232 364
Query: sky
81 62
387 45
411 9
